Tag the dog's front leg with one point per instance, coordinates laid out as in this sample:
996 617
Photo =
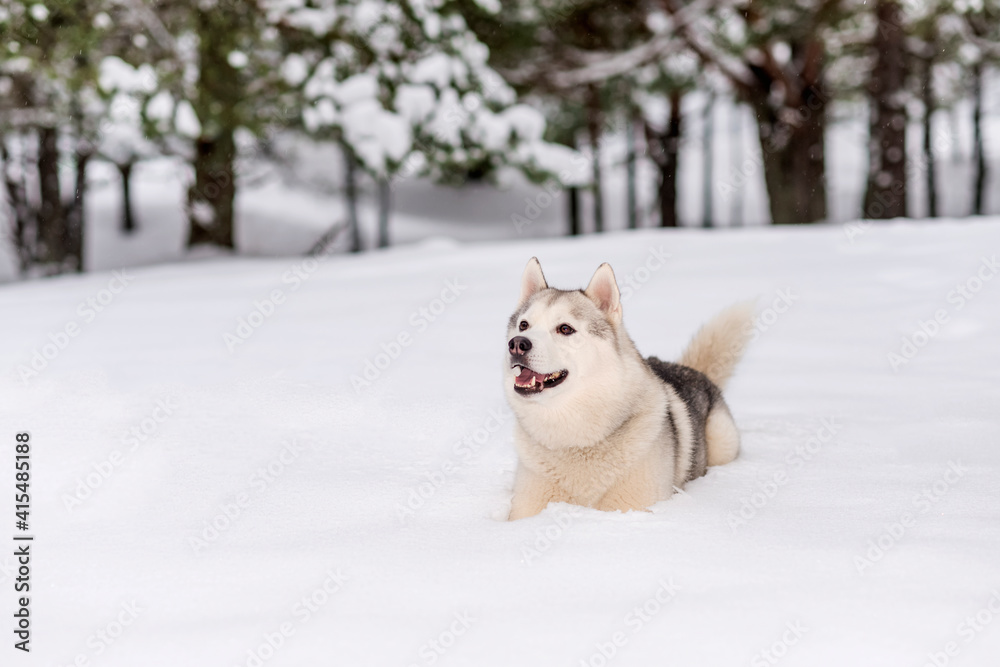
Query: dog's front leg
648 482
532 493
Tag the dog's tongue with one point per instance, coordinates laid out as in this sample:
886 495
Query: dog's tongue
528 378
525 375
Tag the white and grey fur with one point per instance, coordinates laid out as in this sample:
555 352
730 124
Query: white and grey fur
617 431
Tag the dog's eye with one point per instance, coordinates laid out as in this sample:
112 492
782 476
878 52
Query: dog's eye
523 325
566 329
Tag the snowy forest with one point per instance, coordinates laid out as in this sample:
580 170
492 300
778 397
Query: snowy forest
660 113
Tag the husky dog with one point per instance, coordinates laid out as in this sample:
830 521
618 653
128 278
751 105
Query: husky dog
597 424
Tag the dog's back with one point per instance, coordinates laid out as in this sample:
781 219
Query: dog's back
699 396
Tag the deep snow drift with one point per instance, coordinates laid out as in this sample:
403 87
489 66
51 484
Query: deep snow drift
235 455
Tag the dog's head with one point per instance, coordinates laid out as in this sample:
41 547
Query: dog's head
559 342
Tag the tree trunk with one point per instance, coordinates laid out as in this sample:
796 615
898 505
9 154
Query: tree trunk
24 217
736 159
211 198
128 219
383 212
594 133
885 196
573 210
630 160
664 150
977 125
573 198
76 216
220 92
351 195
793 155
706 143
671 154
928 100
51 218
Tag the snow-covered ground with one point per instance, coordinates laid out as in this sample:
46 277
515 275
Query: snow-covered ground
256 462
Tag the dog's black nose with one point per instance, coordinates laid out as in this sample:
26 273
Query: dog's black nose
519 345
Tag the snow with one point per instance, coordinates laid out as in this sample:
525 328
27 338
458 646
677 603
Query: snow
39 12
323 114
318 21
526 121
186 120
415 102
237 59
367 14
492 130
491 6
358 88
323 82
102 21
294 69
377 135
564 162
160 107
118 75
446 124
305 478
122 139
436 68
419 92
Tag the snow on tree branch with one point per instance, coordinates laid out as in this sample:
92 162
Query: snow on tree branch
407 88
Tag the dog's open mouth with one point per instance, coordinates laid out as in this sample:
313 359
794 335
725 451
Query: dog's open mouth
530 382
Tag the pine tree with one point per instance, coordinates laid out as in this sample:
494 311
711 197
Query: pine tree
48 100
406 89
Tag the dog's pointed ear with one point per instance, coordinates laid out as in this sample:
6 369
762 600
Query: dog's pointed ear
532 280
603 291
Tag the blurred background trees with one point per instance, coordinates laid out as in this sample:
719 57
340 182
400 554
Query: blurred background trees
465 91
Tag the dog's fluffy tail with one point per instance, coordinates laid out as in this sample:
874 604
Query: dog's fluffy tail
719 345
